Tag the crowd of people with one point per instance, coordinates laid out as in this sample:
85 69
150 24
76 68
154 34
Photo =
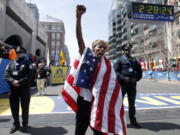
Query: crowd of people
9 52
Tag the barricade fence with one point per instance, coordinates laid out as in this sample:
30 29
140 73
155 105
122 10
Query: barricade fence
4 86
161 75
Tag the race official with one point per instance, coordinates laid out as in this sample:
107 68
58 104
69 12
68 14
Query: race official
128 72
19 74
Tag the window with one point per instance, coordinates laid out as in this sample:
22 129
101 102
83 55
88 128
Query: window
119 21
119 28
53 52
52 45
124 15
114 23
154 46
45 26
53 36
53 27
124 30
57 36
118 16
58 28
114 29
58 44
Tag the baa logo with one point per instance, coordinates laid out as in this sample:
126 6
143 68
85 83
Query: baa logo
59 71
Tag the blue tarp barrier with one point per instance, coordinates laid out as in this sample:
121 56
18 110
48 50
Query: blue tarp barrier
4 86
161 75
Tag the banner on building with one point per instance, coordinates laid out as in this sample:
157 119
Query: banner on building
59 74
4 86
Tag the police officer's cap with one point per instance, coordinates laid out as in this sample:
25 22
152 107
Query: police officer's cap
20 49
127 47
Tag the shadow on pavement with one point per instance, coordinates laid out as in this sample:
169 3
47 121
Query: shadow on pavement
47 131
157 126
4 95
50 95
4 120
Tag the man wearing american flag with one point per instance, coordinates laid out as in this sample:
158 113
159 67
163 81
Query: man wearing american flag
92 89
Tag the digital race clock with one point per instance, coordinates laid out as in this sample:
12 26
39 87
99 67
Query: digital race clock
146 11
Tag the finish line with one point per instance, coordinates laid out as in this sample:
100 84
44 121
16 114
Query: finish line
56 104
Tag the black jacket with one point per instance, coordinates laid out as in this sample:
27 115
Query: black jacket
41 73
20 70
127 67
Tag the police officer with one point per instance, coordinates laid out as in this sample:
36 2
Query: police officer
19 74
128 72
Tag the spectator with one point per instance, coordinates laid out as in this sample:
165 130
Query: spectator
41 76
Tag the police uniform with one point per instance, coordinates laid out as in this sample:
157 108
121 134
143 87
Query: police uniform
128 68
21 70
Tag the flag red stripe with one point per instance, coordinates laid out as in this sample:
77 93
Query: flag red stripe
69 100
70 80
122 120
76 63
102 95
111 111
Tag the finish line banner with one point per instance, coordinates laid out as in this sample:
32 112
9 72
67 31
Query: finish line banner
59 74
4 86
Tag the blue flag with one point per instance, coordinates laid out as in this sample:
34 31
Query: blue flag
57 58
87 67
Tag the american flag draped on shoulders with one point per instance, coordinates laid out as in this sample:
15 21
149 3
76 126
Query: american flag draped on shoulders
107 112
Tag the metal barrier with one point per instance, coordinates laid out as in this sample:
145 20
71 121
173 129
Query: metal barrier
4 86
161 75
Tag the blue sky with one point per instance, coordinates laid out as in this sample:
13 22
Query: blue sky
94 22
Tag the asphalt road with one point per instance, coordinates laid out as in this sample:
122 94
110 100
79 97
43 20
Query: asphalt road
164 121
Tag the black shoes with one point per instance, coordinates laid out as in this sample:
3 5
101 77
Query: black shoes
13 129
24 129
136 124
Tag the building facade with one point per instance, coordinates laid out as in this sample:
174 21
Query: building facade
56 38
152 41
174 51
34 9
119 28
148 39
19 27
